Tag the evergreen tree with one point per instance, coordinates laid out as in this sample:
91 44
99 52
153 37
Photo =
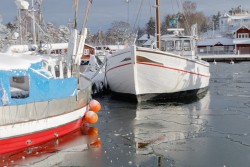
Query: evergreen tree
150 26
237 10
216 20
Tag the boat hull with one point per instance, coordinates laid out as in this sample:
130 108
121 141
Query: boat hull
26 134
33 123
150 74
189 95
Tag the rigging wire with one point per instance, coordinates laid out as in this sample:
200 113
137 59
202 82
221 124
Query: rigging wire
172 6
186 24
138 14
76 13
150 8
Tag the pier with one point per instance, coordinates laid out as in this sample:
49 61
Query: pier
226 57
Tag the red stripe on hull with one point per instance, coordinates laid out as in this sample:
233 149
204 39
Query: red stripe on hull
20 142
118 66
176 69
156 65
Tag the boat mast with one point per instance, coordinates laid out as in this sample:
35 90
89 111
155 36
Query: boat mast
158 30
81 40
40 24
33 23
20 26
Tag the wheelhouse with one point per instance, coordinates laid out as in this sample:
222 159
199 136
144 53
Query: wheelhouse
179 45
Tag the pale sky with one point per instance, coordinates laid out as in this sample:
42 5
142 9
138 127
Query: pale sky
104 12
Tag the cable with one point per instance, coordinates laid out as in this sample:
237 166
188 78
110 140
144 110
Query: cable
138 14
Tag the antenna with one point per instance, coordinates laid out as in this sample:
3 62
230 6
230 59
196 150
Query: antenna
128 1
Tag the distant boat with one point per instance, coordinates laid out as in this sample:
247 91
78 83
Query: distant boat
42 97
171 70
215 62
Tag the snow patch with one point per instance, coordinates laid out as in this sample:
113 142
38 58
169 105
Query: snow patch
22 4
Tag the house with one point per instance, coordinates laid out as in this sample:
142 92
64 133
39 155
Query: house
218 45
61 48
233 37
108 49
146 40
242 40
229 23
88 50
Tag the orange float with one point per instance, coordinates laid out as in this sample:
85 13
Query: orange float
96 144
92 131
94 105
91 117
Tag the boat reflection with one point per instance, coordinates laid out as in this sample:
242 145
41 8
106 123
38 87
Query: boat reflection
157 125
82 139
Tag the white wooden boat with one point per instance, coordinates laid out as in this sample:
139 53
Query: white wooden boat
171 70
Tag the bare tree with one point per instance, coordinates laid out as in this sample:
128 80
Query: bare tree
119 32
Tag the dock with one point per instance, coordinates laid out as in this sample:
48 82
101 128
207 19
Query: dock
225 57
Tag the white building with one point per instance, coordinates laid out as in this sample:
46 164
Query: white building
229 23
234 36
146 40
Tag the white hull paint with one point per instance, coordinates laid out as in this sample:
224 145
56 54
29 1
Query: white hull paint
31 127
143 71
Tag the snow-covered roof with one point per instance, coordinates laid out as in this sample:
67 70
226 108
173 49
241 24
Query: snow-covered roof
20 57
22 4
237 17
114 47
55 46
241 28
145 37
17 60
214 41
211 34
240 17
241 41
148 43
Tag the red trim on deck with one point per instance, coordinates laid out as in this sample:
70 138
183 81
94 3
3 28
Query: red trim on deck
20 142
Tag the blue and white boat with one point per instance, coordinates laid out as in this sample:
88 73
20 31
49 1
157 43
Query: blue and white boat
42 97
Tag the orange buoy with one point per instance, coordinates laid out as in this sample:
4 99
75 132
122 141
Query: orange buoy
96 144
92 131
91 117
94 105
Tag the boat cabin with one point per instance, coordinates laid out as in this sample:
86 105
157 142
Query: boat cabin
46 78
177 43
58 69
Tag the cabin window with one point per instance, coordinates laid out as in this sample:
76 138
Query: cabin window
163 45
65 70
186 45
178 45
49 68
170 45
57 71
84 62
86 52
19 87
18 79
44 65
